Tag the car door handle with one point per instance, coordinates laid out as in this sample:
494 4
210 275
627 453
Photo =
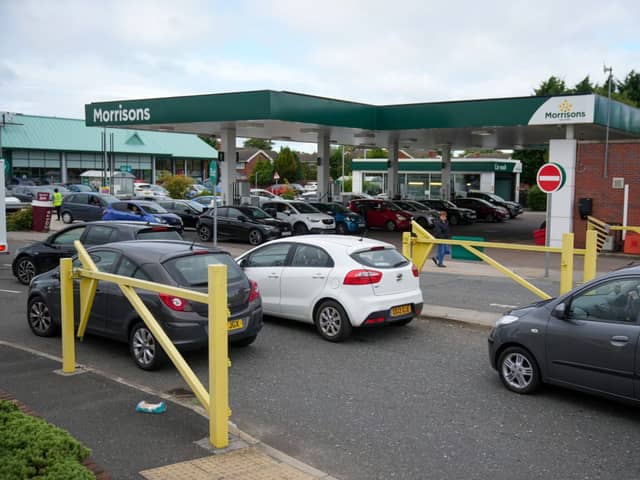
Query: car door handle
318 275
273 275
617 340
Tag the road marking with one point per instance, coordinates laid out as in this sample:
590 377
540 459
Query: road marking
9 291
502 306
6 264
550 178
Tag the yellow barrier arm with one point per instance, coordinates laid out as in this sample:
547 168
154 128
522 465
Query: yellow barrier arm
66 307
422 245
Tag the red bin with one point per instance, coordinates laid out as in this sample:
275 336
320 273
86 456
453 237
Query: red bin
540 236
42 208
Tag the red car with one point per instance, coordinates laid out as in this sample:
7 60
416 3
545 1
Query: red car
382 214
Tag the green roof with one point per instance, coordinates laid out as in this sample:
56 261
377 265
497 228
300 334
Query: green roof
31 132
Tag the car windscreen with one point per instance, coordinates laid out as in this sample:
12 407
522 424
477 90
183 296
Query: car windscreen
158 233
254 212
392 206
380 257
191 270
153 208
195 205
304 207
337 208
109 198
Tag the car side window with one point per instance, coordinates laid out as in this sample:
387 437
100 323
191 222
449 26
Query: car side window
120 206
269 256
69 236
310 256
99 234
104 259
128 268
233 213
222 212
617 300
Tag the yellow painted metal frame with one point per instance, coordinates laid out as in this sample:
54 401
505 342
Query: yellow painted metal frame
216 401
417 244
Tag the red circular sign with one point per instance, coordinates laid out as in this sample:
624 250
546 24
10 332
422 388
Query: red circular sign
550 177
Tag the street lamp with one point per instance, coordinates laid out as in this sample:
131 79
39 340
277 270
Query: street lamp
606 140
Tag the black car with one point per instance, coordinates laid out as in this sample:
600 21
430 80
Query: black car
188 210
586 339
31 192
85 206
244 223
513 208
484 210
455 214
174 263
41 257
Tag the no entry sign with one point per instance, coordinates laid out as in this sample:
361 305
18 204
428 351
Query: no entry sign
551 177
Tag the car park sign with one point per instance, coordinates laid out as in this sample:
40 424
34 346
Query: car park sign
551 177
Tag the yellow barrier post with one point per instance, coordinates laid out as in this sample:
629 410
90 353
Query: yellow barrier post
566 263
218 357
590 256
66 311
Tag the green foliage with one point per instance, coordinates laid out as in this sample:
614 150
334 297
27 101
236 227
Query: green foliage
531 160
20 220
309 171
371 188
264 169
288 194
211 140
347 186
630 87
377 153
335 163
287 165
537 199
585 86
32 448
261 143
177 185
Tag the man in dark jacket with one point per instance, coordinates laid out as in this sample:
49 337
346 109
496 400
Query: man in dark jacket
441 230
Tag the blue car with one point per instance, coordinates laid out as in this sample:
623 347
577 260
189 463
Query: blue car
346 220
141 211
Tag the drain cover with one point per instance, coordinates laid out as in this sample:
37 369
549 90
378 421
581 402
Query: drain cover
181 392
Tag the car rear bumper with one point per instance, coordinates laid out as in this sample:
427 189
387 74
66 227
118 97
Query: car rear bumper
360 309
388 316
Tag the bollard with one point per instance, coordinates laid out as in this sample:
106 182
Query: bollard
66 307
566 263
590 256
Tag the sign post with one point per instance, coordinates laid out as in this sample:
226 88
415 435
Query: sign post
551 177
213 178
276 177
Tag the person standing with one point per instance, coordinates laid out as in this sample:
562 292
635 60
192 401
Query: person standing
441 230
57 201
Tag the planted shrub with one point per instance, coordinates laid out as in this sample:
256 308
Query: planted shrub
20 220
537 199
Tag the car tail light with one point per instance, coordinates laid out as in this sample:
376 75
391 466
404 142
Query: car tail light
362 277
414 270
373 321
174 303
418 309
255 291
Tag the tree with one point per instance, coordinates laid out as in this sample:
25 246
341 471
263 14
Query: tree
552 86
309 171
335 163
377 153
630 87
211 140
264 170
260 143
287 165
177 185
531 160
584 86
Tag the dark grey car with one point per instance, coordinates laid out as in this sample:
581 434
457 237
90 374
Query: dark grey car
174 263
85 206
586 339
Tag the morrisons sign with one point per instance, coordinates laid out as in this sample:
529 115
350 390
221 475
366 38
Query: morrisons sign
121 115
571 109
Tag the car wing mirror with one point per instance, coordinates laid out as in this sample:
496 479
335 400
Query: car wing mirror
242 263
242 218
560 311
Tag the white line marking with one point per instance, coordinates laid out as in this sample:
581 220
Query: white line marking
6 264
502 306
9 291
549 177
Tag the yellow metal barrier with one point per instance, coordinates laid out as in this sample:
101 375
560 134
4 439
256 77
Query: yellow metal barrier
216 401
417 244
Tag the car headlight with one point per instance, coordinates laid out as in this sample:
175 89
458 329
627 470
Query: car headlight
314 220
160 220
402 218
506 320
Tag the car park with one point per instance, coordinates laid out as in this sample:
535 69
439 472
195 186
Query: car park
85 206
425 217
382 214
455 214
79 187
40 257
173 263
586 339
32 191
346 220
302 217
207 200
141 211
243 223
346 197
513 208
484 210
188 211
336 282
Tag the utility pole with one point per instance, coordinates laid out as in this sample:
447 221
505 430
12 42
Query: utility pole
606 140
342 183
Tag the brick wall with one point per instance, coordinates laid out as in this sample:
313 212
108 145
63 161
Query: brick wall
624 161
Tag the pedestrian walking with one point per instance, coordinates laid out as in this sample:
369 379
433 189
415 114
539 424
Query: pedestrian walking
441 230
57 201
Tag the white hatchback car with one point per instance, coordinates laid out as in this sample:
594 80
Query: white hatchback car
336 282
303 217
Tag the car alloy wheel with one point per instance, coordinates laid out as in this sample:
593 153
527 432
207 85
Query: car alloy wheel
204 232
518 370
390 226
300 229
39 317
332 322
491 218
67 217
341 228
145 350
25 270
255 237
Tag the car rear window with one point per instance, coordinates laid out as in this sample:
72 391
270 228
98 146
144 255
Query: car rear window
191 270
158 233
380 258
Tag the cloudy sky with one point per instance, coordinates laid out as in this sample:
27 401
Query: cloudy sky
55 56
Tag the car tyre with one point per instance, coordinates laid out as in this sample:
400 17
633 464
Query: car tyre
255 237
491 218
519 370
204 233
300 229
25 270
332 321
341 228
40 319
145 349
67 217
390 226
454 220
245 342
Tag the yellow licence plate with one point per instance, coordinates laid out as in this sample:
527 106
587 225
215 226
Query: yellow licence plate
400 310
234 324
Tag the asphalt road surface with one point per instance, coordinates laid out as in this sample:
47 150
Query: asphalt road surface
412 402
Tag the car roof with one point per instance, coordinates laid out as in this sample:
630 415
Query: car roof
120 223
144 251
328 241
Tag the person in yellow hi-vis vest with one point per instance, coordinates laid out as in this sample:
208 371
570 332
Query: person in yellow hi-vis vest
57 201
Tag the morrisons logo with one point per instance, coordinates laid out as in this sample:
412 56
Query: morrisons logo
564 112
121 115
